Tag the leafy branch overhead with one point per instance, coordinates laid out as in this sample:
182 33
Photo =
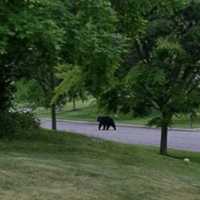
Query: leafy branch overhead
71 81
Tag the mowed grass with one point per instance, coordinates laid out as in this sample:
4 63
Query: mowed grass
65 166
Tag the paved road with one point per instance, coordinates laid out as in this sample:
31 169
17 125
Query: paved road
184 140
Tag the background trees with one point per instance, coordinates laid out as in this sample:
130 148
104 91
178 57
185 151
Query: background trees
25 35
161 69
167 77
71 85
38 36
142 55
92 49
32 40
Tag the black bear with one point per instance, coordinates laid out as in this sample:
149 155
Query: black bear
105 122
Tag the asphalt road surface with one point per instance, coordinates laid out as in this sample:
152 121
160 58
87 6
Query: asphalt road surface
184 140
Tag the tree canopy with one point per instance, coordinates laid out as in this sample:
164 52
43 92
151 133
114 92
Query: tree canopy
161 69
133 56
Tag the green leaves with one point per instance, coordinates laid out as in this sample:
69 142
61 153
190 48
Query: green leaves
29 93
93 44
31 39
72 82
168 78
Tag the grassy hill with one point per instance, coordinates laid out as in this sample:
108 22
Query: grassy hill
65 166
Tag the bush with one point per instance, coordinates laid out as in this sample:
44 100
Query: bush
15 124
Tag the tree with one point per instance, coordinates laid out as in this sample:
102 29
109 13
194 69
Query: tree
31 39
166 82
72 84
164 45
143 22
93 48
162 65
160 86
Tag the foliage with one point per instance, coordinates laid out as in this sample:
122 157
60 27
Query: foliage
161 68
6 88
92 43
143 22
72 84
27 32
15 123
140 55
169 78
29 94
118 99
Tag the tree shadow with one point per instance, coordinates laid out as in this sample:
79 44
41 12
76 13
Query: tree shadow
178 157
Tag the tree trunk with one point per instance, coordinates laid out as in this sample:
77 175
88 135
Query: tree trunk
74 104
53 106
163 141
53 116
191 119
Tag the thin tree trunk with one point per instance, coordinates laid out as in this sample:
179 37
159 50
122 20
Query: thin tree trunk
74 104
53 106
53 116
191 119
163 141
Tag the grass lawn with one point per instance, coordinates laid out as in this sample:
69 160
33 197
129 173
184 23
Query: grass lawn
65 166
88 112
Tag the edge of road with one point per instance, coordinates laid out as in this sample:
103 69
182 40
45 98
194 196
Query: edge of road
123 125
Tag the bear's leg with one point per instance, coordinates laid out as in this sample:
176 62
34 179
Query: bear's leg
100 125
107 127
113 125
104 127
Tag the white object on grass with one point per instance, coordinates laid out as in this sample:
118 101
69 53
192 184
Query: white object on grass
186 160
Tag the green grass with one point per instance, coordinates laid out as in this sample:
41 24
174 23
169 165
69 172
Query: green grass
85 111
65 166
88 112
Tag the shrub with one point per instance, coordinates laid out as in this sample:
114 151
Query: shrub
15 124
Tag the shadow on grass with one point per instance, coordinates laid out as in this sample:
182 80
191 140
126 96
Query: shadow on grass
177 157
